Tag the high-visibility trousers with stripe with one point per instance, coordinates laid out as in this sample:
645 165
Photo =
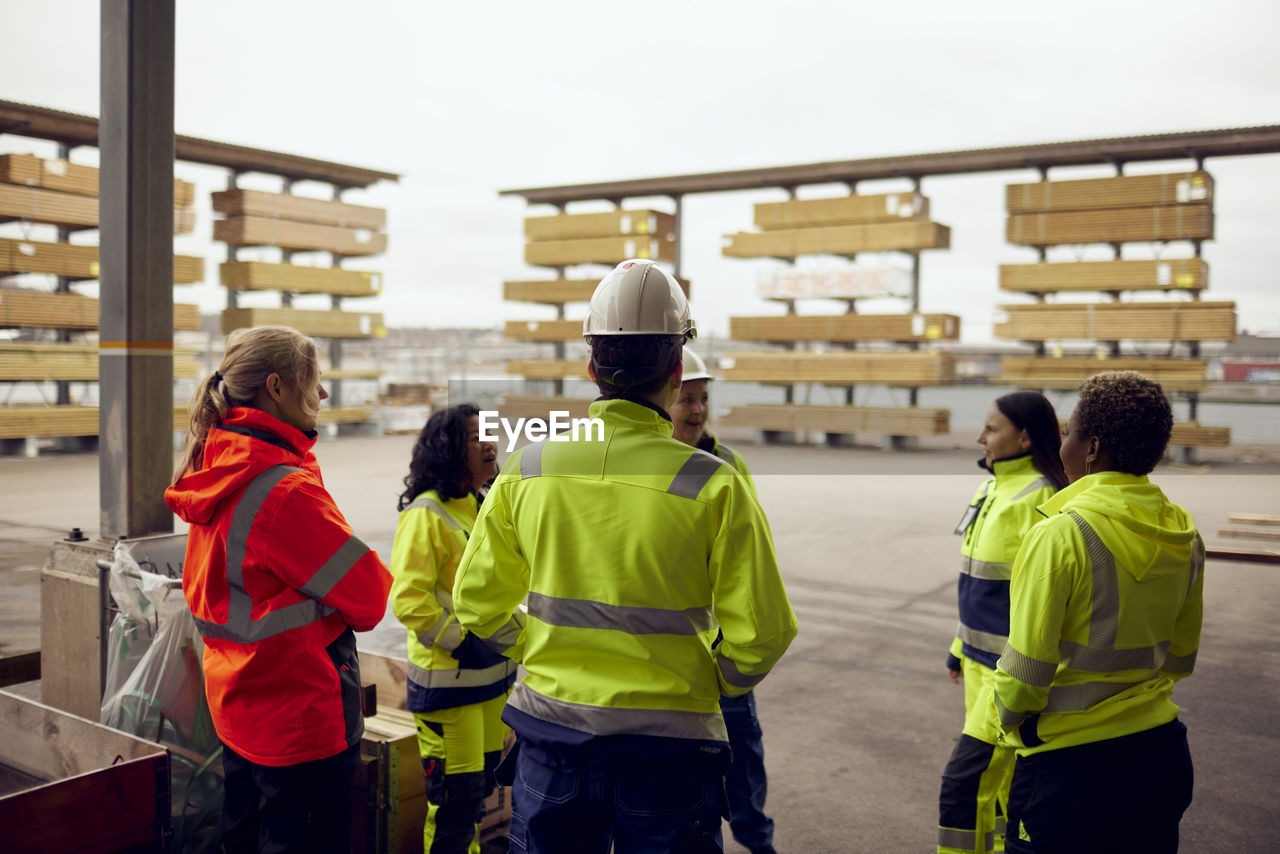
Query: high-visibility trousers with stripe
978 775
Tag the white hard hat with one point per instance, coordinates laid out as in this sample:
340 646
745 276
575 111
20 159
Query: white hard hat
638 298
694 367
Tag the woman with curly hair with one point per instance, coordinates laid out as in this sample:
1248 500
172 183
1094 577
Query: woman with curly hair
457 686
1105 611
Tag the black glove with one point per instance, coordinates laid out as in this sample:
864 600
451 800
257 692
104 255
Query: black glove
473 654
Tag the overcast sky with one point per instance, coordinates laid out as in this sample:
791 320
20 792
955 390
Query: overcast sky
465 99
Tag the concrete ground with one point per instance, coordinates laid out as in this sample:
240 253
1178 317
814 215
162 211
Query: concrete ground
859 718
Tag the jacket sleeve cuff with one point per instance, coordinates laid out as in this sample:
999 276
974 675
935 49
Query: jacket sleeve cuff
953 663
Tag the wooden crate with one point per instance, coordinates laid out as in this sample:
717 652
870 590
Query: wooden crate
1115 225
607 224
598 250
76 261
297 279
66 209
558 291
893 369
298 236
71 311
69 177
846 327
883 420
1128 321
298 208
1122 191
1067 373
74 785
22 422
548 369
322 323
907 236
543 330
538 406
841 210
47 360
1190 274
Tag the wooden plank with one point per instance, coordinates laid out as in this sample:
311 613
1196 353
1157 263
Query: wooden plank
846 327
71 311
66 209
1123 191
298 236
907 236
298 208
19 667
322 323
1117 225
558 291
893 369
598 250
1038 372
607 224
1268 556
543 330
67 177
298 279
21 422
327 374
1253 519
1243 534
345 415
390 674
885 420
77 261
840 210
548 369
1188 434
48 360
1190 274
536 406
1130 321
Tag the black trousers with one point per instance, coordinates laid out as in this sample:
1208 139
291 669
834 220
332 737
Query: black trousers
295 808
1119 796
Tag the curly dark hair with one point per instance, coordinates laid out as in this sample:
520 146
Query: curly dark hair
440 456
638 364
1032 411
1130 415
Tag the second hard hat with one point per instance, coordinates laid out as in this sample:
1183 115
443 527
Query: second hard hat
694 367
638 298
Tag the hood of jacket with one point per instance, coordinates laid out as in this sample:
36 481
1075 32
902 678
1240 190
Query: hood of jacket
243 445
1148 534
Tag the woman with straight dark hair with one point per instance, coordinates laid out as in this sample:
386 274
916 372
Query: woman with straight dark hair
1020 438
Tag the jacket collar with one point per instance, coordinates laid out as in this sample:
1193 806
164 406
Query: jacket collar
632 412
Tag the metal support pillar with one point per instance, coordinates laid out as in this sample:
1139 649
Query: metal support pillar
135 209
679 199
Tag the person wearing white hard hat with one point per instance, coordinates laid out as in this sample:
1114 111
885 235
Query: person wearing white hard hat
651 587
746 782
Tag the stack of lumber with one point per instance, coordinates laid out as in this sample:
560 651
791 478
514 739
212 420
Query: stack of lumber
847 328
885 420
320 323
22 422
543 330
1190 274
549 369
1122 191
1262 529
539 406
48 360
298 224
1068 373
76 261
599 238
909 369
1132 321
32 171
344 415
298 279
557 291
841 210
1192 434
71 311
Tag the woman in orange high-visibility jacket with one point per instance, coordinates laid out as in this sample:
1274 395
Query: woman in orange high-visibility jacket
277 583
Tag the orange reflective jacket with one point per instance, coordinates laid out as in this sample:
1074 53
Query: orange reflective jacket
276 581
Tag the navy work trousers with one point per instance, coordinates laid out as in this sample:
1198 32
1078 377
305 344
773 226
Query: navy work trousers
294 808
1118 796
745 783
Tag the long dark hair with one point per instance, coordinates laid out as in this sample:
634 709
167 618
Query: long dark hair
440 456
1032 411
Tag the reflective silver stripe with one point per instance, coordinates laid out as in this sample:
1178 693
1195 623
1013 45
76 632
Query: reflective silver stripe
437 508
444 632
1037 484
1078 698
531 460
986 569
1079 657
327 577
278 622
736 677
984 641
694 474
1027 670
1182 664
460 678
949 837
1104 619
606 720
632 619
1001 824
1007 717
505 638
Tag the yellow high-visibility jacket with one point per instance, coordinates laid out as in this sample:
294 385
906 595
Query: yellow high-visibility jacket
431 535
1106 605
713 445
632 552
